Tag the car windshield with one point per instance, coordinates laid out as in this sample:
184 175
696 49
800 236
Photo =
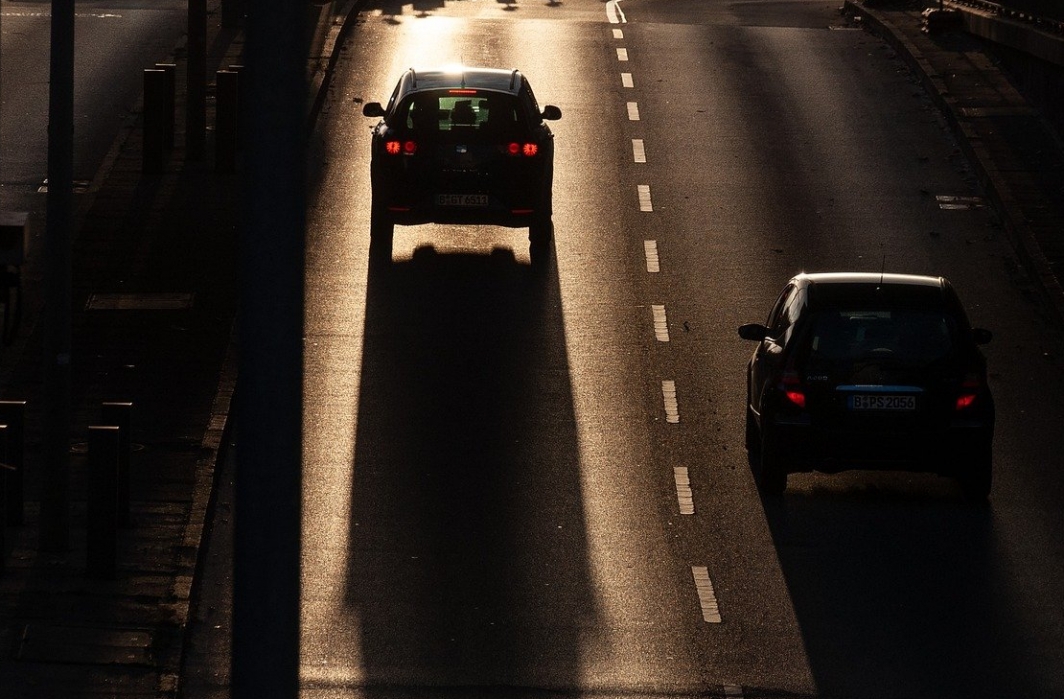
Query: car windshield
846 339
459 111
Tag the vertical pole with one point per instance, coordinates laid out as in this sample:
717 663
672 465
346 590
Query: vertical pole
196 81
55 497
121 416
269 456
4 468
153 150
13 414
170 89
226 120
101 520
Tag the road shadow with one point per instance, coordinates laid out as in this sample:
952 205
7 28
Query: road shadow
468 562
899 591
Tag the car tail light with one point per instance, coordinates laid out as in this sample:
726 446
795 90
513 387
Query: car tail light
971 387
527 150
791 386
397 147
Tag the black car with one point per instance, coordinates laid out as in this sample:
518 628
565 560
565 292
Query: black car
462 146
869 371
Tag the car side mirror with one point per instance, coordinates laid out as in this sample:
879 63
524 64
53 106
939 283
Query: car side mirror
551 113
373 109
753 331
981 336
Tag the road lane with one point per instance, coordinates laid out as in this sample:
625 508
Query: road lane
814 149
482 443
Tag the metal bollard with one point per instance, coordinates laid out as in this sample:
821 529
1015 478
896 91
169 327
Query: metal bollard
121 415
101 523
171 88
13 414
227 120
154 147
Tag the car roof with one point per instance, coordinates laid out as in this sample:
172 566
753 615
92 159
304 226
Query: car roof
872 278
421 79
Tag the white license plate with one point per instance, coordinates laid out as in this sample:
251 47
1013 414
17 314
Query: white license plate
461 199
865 402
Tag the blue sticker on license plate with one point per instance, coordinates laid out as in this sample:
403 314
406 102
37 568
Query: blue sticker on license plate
879 402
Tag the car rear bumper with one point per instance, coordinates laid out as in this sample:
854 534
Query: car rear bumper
948 451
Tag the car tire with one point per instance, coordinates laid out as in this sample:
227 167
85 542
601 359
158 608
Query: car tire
753 439
769 472
977 481
541 231
381 233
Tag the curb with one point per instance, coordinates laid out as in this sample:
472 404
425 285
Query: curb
997 188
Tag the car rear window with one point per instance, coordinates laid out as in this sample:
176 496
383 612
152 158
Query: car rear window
459 110
909 336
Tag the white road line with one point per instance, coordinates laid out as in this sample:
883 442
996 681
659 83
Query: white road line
661 323
650 247
618 33
639 153
644 197
614 13
706 597
672 407
733 690
626 80
684 496
633 111
622 54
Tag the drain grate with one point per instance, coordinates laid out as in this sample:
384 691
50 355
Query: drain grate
139 302
79 186
953 202
83 645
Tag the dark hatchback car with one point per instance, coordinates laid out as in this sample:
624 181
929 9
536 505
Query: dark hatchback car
462 146
869 371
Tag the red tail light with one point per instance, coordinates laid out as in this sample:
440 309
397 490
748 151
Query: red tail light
527 150
970 389
397 147
792 389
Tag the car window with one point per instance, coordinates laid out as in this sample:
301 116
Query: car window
459 111
777 318
913 337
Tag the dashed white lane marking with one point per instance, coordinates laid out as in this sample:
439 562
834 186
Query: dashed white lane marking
672 406
618 33
661 323
626 80
650 247
706 597
644 197
633 111
614 13
639 153
684 496
733 690
622 54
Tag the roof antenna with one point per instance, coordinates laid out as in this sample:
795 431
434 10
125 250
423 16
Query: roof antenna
882 265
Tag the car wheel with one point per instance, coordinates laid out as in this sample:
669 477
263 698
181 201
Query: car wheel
541 231
770 474
976 482
753 439
381 233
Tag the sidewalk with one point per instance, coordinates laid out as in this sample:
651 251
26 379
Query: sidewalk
154 303
1020 161
154 309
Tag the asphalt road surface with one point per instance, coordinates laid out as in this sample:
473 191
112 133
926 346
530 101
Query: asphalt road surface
528 486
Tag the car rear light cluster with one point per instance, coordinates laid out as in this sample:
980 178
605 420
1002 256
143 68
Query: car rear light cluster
791 386
397 147
527 150
971 387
